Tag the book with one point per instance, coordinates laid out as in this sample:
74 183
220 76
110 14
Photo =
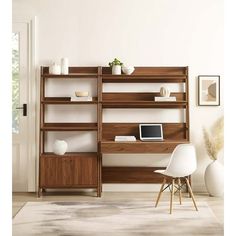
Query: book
165 99
86 99
125 138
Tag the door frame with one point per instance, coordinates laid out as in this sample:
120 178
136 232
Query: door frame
33 107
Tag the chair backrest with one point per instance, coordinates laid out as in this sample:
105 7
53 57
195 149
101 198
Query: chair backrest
183 161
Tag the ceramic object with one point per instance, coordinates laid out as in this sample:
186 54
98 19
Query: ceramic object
116 70
60 147
64 66
164 92
214 179
81 93
55 69
128 70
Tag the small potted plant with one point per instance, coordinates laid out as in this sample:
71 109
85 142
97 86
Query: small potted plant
116 66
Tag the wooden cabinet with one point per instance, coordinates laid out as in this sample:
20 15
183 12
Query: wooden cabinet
68 171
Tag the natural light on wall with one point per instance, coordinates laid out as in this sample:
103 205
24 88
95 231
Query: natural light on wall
15 82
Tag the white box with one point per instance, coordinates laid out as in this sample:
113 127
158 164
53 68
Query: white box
125 138
165 99
86 99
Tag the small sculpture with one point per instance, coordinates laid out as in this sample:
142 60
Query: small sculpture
55 69
164 92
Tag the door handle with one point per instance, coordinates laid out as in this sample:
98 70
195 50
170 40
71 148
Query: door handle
24 108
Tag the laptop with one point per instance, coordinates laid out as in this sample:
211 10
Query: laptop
151 132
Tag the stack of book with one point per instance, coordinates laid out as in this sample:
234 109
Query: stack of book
125 138
80 99
165 99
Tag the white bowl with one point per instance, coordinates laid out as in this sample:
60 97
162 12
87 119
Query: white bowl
128 70
81 93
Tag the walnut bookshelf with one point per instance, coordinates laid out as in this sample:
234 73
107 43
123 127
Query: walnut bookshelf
84 170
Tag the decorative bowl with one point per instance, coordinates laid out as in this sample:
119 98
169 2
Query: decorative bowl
128 70
81 93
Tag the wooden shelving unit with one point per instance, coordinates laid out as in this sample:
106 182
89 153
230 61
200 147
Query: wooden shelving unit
72 170
85 169
174 133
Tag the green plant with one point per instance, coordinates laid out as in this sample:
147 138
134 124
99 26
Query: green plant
214 139
115 62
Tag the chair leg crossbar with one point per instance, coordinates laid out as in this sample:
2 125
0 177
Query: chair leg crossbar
174 189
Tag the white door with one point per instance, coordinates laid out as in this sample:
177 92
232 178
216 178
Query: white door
20 108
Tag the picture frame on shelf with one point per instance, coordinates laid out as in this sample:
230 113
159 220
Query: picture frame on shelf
209 90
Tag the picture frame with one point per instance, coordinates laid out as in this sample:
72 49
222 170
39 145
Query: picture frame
209 90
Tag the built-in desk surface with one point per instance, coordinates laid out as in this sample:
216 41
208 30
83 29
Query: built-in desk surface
166 146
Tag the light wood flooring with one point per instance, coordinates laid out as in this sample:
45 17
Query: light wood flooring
19 199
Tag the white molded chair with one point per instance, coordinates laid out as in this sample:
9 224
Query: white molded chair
181 165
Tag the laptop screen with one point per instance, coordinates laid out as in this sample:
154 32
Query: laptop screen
151 131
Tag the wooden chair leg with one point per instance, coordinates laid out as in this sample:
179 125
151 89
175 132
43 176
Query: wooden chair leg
161 189
189 180
180 194
191 193
172 195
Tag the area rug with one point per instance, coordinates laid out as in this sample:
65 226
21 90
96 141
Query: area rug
114 218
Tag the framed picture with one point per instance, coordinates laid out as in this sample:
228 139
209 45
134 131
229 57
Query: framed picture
208 90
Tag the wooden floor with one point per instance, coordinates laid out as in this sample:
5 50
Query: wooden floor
19 199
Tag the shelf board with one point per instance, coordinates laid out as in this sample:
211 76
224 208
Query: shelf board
166 146
66 100
121 174
141 78
69 154
69 126
72 75
143 104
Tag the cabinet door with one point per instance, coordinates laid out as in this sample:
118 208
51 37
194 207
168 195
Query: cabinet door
51 172
68 171
84 170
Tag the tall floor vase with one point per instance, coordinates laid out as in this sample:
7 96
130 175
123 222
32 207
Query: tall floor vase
214 179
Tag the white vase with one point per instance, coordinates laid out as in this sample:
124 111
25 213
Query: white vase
128 70
164 92
116 70
55 69
214 179
64 66
60 147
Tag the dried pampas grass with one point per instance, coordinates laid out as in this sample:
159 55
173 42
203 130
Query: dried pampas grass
214 139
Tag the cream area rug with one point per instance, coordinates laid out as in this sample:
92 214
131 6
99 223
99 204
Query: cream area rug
114 218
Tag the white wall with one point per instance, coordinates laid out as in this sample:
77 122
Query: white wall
141 33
